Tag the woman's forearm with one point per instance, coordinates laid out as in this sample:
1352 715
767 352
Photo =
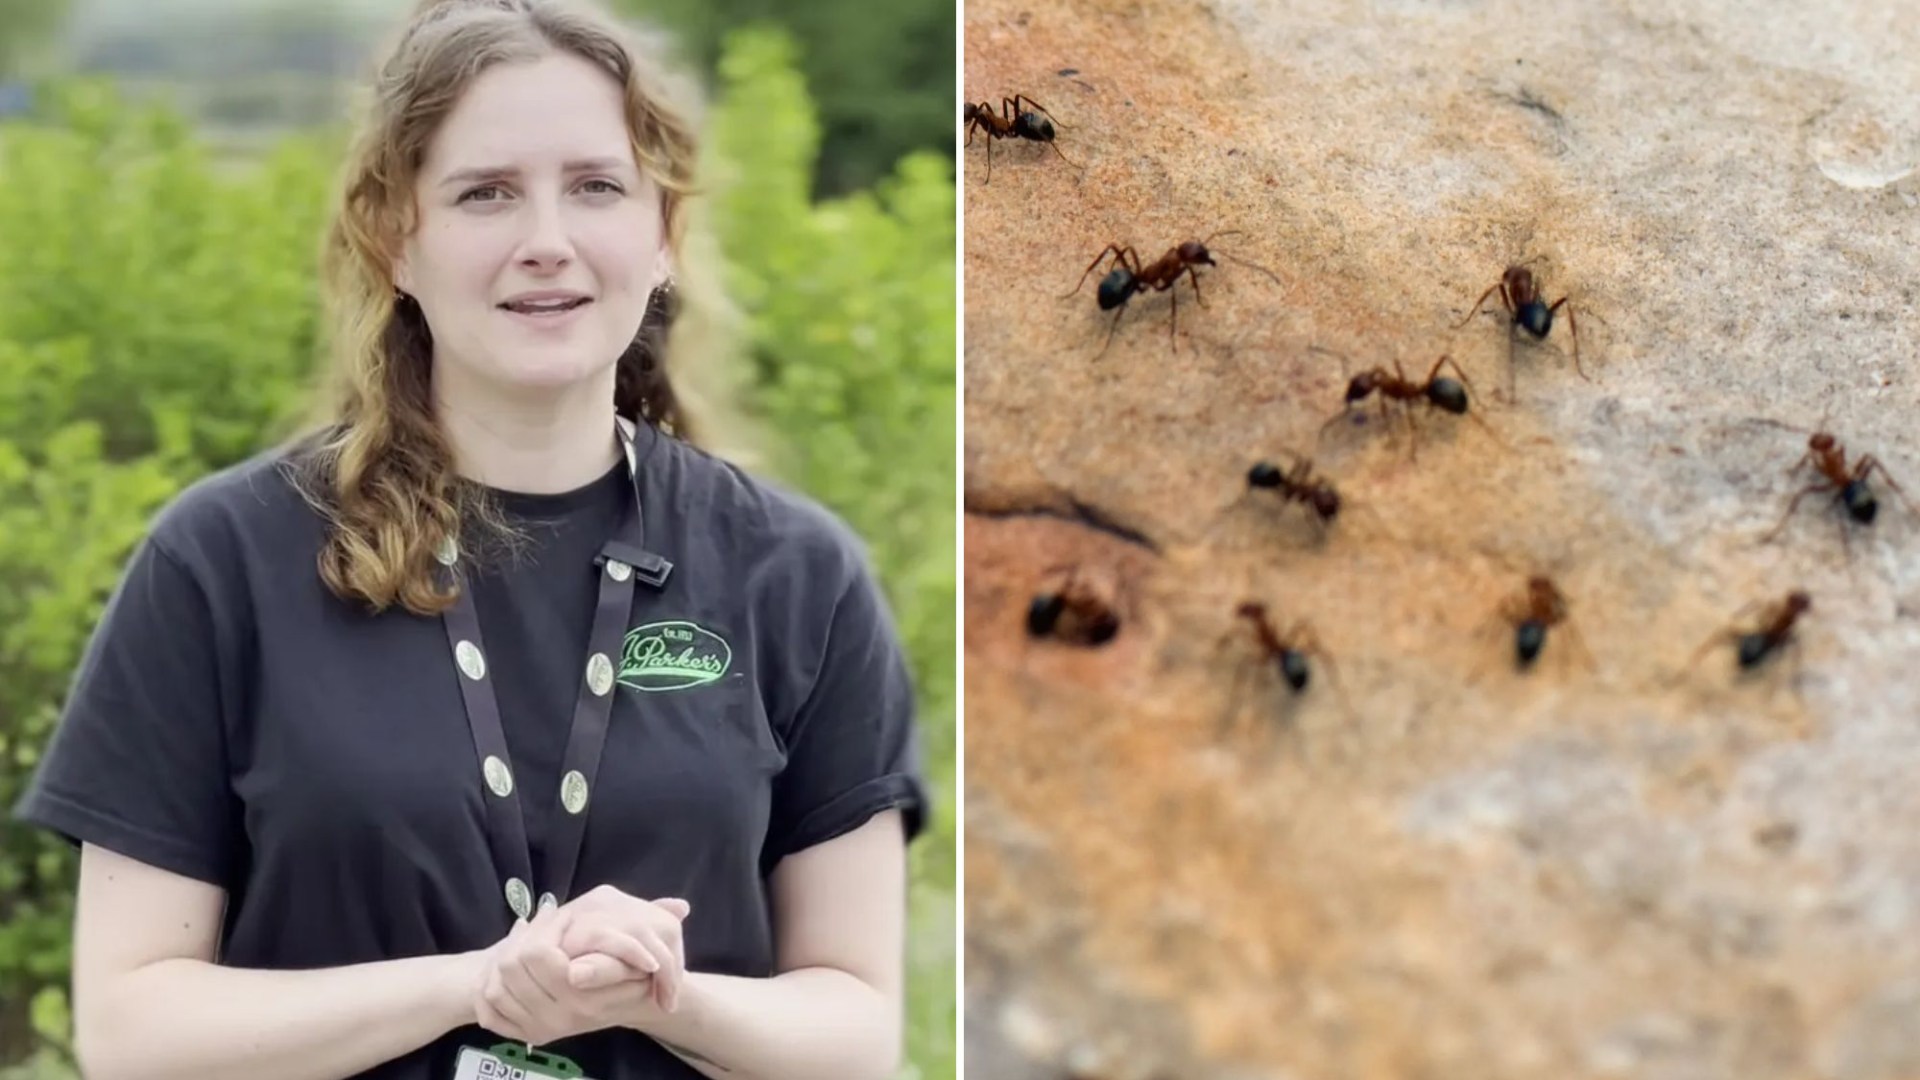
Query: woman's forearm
189 1018
809 1024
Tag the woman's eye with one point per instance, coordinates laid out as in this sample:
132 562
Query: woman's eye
604 186
477 194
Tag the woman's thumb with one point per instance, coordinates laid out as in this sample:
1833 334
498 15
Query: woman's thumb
677 907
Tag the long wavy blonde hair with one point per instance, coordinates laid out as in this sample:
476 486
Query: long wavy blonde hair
379 468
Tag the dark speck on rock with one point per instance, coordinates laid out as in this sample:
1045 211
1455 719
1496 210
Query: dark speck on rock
1064 72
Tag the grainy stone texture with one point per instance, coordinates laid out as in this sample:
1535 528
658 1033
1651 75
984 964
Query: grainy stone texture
1433 866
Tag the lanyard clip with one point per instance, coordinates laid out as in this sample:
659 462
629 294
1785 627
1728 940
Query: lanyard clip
651 569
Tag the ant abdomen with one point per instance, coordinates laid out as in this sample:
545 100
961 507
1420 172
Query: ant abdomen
1293 666
1859 501
1536 318
1445 393
1529 637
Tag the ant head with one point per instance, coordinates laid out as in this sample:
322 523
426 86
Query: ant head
1326 502
1193 251
1798 601
1448 394
1031 125
1541 585
1821 442
1362 385
1251 609
971 112
1264 474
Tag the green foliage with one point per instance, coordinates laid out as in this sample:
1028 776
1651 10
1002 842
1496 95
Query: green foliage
160 322
882 74
852 318
27 28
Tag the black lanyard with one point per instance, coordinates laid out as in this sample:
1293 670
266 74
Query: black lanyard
622 560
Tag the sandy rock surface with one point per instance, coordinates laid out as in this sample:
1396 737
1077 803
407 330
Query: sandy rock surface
1429 864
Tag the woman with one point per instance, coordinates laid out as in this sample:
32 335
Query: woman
494 726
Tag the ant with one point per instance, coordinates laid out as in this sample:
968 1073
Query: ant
1010 123
1437 390
1532 613
1774 631
1126 279
1075 611
1850 488
1298 485
1289 651
1527 309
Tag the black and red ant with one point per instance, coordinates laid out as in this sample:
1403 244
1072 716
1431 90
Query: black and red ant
1438 391
1773 631
1532 613
1129 278
1829 459
1289 650
1298 485
1075 609
1528 310
1012 122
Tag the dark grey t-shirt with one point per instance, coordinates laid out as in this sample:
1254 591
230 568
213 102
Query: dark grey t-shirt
235 722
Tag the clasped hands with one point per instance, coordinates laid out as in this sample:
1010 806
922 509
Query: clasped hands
602 960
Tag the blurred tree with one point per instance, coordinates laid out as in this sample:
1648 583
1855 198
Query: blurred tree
881 75
27 28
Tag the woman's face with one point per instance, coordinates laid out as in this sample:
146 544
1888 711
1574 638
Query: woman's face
538 239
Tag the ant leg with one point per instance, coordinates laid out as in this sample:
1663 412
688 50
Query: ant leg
1791 506
989 179
1015 101
1871 464
1573 324
1173 320
1482 300
1308 641
1720 637
1345 411
1111 330
1457 370
1804 458
1195 278
1114 249
1063 157
1573 635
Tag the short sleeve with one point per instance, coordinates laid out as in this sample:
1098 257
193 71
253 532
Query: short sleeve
853 750
138 762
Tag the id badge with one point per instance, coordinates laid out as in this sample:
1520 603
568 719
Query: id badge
513 1061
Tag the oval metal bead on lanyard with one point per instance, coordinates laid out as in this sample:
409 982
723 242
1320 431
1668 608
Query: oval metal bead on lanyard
622 560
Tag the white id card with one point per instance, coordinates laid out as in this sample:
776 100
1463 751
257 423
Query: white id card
513 1061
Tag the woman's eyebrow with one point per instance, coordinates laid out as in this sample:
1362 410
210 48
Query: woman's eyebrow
479 173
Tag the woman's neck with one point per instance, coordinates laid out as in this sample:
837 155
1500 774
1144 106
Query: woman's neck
530 441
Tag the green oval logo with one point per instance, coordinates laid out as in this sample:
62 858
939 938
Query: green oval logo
673 655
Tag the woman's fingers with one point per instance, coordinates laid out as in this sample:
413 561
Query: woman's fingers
620 946
500 1000
596 971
